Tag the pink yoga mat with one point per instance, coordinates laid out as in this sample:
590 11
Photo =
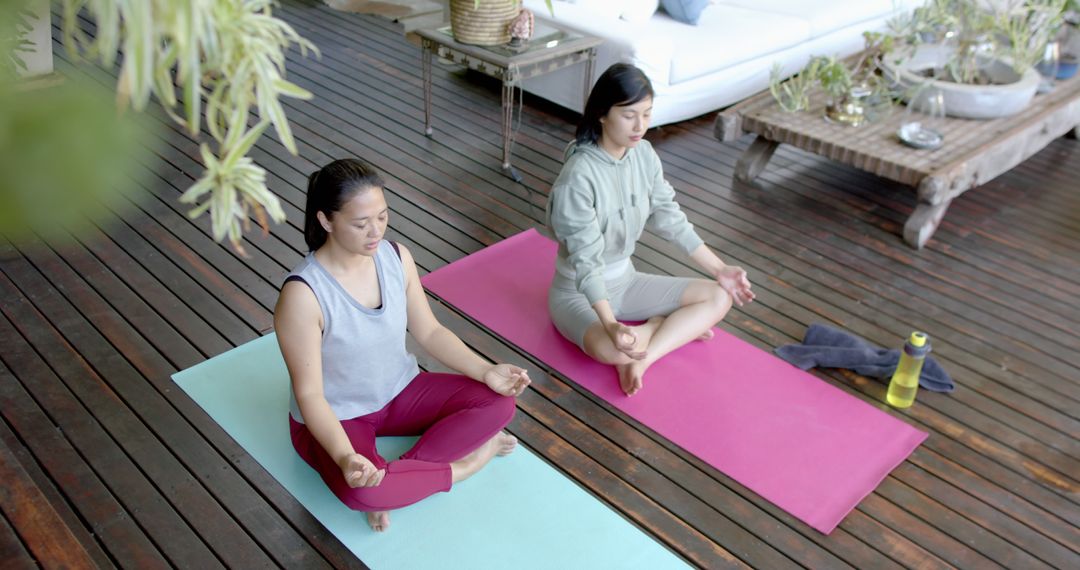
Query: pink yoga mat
802 444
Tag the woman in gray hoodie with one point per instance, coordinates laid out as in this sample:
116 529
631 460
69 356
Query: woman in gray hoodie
610 189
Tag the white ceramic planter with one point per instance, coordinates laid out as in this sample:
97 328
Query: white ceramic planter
1011 95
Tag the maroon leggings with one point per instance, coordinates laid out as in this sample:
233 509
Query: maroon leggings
452 414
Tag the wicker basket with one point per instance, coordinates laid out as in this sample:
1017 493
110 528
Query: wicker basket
483 23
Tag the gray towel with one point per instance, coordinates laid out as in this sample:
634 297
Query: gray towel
830 347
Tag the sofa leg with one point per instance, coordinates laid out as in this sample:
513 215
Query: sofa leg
754 159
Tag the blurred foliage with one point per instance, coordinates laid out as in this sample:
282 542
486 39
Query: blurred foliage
211 62
66 157
232 52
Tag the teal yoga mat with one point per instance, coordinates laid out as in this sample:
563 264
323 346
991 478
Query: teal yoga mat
518 512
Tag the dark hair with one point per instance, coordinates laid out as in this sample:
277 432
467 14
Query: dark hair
329 188
622 84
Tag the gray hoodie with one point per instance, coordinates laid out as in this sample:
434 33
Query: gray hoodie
599 207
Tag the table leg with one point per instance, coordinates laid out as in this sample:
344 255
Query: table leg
590 61
507 120
426 67
923 222
508 128
754 159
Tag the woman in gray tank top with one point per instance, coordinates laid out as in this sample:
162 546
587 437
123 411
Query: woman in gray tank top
341 322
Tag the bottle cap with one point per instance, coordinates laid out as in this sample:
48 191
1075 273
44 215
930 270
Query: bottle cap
917 338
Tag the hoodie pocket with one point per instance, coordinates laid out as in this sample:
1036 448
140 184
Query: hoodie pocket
614 230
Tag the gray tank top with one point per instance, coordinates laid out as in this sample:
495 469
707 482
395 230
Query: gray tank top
364 361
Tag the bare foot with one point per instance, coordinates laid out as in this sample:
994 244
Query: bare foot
706 335
502 444
379 520
505 444
645 332
630 376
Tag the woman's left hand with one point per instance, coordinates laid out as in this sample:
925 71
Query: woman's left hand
733 280
507 379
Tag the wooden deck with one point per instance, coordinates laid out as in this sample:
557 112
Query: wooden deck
105 462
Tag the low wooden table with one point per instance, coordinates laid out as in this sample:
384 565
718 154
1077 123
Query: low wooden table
551 48
975 151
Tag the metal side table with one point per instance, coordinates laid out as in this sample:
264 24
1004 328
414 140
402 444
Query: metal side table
551 48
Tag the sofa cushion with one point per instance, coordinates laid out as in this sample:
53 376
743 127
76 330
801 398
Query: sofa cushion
685 11
823 17
608 9
639 10
630 10
725 36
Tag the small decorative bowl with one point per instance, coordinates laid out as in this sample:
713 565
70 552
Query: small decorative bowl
917 136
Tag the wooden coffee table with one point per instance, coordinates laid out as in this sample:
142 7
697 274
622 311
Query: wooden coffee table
975 151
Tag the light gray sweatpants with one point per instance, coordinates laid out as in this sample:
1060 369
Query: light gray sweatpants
633 296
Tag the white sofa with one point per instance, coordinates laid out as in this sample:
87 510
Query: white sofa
725 58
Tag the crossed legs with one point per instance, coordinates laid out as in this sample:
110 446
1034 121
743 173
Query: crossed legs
459 422
702 304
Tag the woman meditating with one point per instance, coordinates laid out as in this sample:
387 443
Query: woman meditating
341 322
610 188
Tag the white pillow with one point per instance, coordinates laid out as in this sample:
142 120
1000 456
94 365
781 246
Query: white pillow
606 8
639 10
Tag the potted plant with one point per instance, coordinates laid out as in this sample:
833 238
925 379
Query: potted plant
855 90
229 52
981 58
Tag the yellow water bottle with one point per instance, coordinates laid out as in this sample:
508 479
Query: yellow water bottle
905 381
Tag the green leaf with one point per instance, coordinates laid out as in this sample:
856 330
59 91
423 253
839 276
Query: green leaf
292 90
243 146
281 125
163 80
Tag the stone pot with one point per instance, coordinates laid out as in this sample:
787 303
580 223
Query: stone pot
1011 93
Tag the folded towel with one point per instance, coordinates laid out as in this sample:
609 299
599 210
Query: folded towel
830 347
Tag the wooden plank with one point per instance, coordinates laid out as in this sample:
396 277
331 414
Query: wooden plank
51 492
13 554
201 467
126 286
1018 546
104 450
41 528
107 518
844 181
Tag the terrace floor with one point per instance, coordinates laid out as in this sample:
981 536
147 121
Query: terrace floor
104 460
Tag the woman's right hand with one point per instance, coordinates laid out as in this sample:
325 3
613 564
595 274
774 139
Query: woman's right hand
359 471
624 338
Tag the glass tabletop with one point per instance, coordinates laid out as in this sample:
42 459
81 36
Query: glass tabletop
544 37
